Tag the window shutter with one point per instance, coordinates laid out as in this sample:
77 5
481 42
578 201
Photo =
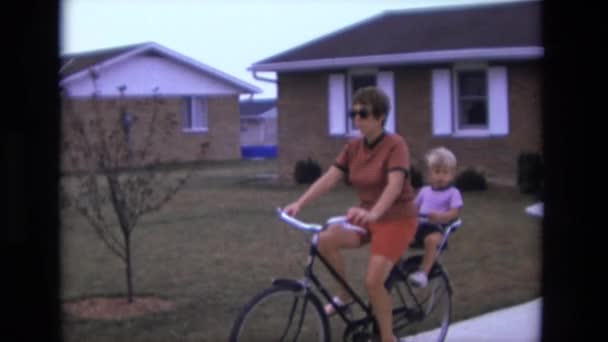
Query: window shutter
498 101
185 110
196 113
386 82
337 104
442 101
204 113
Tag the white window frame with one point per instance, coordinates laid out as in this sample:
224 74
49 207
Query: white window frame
350 129
195 105
469 132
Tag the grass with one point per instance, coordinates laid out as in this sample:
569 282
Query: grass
218 242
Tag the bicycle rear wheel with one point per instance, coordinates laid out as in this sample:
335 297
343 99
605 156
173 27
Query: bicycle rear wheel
281 313
424 312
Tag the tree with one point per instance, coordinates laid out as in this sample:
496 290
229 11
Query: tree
121 180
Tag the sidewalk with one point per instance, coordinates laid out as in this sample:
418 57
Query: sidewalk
521 323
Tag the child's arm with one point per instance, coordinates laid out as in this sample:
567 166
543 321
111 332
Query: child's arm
444 217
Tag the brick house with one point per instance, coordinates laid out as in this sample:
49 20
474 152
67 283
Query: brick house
465 77
148 77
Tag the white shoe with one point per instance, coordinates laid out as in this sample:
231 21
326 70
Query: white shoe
330 310
418 279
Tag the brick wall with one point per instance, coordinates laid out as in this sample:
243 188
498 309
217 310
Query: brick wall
496 155
224 128
167 143
303 122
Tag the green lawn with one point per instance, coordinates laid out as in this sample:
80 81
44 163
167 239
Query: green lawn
218 242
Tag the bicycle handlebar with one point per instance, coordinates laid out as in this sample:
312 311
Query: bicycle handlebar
345 224
317 227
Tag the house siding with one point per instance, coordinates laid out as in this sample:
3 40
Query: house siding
221 141
303 103
303 123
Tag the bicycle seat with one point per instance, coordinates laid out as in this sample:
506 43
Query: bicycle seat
447 230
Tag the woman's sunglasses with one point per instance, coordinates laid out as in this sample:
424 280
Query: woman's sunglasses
363 113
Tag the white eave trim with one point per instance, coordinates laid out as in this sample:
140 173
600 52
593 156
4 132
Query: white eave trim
424 57
248 88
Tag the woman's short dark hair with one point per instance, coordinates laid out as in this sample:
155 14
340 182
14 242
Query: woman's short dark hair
374 97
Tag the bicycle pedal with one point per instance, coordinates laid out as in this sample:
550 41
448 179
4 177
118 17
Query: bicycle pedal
347 311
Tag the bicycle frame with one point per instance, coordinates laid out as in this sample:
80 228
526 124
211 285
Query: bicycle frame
311 277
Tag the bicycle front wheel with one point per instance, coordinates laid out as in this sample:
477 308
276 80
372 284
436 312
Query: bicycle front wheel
425 312
282 313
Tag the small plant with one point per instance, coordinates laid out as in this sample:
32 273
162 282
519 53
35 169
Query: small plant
416 178
307 171
471 180
112 198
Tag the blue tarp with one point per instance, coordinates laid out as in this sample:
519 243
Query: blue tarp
259 152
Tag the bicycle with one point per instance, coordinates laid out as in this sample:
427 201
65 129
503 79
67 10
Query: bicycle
419 314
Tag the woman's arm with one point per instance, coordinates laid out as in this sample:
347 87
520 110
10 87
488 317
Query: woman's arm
389 194
318 188
387 198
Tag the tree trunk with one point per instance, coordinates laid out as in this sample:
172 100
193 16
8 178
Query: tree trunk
128 268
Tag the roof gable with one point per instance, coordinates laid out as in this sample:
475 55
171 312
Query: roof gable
76 66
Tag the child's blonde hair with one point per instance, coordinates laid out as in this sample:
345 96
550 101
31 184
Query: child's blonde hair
441 156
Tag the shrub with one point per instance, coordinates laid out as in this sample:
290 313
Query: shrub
307 171
471 180
529 173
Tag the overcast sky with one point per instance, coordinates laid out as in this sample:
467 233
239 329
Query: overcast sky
226 35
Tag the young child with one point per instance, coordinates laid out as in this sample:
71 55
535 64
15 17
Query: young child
441 203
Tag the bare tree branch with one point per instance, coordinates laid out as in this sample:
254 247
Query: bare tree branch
113 193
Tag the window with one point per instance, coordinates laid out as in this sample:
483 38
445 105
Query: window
357 81
194 112
342 86
471 99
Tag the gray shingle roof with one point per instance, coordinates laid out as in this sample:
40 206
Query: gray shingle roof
515 24
256 107
73 63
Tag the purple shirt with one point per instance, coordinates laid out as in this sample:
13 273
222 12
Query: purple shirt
429 200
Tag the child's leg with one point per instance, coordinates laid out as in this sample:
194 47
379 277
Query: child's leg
431 243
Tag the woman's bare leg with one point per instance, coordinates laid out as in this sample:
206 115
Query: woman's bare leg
331 241
378 270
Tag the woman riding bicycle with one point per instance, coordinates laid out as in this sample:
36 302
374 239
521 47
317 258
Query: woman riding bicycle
377 165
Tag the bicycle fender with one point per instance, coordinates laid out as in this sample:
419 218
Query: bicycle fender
289 283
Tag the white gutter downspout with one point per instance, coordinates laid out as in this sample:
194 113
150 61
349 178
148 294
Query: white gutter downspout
260 78
263 79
